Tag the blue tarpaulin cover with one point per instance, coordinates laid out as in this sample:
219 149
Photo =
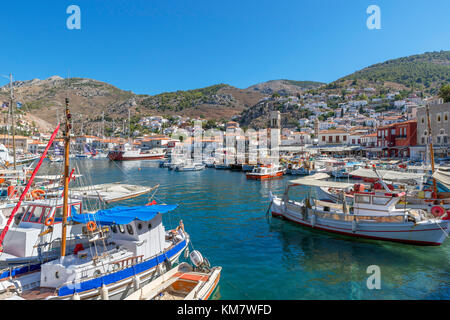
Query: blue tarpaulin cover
123 215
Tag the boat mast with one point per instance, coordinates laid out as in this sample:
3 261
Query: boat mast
430 136
12 119
66 179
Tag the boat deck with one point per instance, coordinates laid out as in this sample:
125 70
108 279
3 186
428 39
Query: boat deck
38 294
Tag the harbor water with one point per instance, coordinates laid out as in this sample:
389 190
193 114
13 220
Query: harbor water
266 258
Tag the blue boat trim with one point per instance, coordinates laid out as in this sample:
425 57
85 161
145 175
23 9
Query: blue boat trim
120 275
13 272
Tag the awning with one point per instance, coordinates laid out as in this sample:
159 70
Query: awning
386 174
443 177
123 215
320 183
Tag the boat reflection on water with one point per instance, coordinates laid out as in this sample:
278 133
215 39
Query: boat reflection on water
335 266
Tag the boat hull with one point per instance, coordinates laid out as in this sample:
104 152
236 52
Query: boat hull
119 156
277 175
425 234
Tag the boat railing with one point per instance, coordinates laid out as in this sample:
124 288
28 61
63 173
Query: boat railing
127 262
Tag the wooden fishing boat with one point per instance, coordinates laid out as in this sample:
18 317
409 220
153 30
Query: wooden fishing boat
372 215
183 282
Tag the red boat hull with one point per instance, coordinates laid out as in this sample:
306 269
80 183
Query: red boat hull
277 175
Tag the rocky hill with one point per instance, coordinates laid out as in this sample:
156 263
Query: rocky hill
90 98
284 87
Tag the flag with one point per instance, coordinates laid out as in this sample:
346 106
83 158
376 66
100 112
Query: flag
19 105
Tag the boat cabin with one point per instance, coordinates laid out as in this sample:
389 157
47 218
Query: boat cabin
375 203
21 241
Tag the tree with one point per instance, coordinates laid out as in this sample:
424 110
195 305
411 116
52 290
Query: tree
444 93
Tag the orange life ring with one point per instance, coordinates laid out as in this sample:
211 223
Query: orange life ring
91 226
49 221
38 194
2 180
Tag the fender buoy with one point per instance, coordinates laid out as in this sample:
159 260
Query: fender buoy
91 226
11 191
38 194
49 221
437 211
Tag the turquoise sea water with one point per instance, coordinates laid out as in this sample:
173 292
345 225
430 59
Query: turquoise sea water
262 258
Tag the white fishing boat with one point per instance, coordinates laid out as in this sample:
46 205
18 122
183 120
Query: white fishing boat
372 215
110 192
266 172
183 282
190 166
127 153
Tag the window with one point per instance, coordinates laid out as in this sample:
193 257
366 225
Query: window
362 199
445 139
114 228
36 215
445 116
345 138
58 214
130 229
337 138
139 226
149 226
121 228
27 214
423 120
423 140
438 117
323 138
438 139
380 200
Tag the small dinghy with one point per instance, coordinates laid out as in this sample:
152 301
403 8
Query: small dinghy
183 282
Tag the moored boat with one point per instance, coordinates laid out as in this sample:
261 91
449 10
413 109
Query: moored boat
372 215
183 282
266 172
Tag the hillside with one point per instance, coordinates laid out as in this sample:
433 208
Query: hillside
284 87
89 98
427 72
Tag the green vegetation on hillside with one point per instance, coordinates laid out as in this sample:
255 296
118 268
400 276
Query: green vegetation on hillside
426 71
444 93
179 100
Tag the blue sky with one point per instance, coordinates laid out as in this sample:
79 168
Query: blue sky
153 46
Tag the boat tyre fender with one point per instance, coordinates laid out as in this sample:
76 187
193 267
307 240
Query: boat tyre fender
313 220
168 264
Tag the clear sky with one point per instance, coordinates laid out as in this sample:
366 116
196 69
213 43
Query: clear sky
153 46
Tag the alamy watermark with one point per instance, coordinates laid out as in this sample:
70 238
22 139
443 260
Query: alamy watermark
374 20
73 22
374 280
